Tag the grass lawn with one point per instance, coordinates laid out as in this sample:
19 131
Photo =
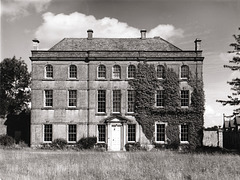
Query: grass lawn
42 164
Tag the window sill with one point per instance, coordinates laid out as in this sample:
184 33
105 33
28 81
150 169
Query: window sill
160 142
184 142
47 108
184 107
47 142
99 79
71 108
116 79
48 79
130 113
72 79
100 114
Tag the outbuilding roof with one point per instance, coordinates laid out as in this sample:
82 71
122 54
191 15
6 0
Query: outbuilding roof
114 44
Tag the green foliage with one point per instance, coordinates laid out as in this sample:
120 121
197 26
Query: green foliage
6 140
133 146
59 143
14 86
235 83
87 143
147 114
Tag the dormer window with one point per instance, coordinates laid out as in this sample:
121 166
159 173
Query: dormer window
116 72
73 71
184 72
49 71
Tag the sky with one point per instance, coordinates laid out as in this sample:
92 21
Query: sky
177 21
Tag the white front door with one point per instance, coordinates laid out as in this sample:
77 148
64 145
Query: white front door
116 138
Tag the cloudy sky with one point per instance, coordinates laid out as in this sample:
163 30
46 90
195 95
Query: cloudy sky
178 21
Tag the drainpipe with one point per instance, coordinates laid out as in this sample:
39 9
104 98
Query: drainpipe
88 94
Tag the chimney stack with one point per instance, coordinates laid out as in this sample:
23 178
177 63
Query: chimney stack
143 33
197 44
90 33
35 44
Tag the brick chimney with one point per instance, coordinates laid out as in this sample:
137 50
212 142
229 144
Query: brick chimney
143 33
90 33
35 44
197 44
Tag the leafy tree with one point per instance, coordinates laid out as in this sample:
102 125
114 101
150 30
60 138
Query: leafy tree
235 83
14 86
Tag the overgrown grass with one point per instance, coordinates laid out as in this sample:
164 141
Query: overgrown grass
39 164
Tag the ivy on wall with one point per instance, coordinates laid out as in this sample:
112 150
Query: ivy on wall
146 113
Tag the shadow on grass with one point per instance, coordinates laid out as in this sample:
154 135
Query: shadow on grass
211 149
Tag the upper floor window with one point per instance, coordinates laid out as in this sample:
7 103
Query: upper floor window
101 71
73 71
49 71
116 72
184 71
117 101
160 71
102 101
72 98
159 98
131 100
184 97
48 98
131 71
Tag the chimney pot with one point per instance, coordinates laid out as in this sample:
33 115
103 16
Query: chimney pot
35 44
197 44
143 33
90 33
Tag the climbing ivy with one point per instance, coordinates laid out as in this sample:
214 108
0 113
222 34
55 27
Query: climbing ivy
146 113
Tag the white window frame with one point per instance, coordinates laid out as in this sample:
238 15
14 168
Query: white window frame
113 77
45 71
159 123
128 71
180 130
98 133
164 71
156 98
117 112
68 133
69 72
134 97
98 72
184 78
69 98
44 133
104 101
188 98
135 133
44 101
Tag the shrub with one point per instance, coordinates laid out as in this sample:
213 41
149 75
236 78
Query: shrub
133 146
87 143
59 143
100 147
173 145
6 140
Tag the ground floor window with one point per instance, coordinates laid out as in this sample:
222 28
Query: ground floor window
184 133
131 132
72 132
47 132
160 132
101 133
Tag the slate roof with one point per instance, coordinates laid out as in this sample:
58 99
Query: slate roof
114 44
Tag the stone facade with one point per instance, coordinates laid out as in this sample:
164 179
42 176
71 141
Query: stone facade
112 128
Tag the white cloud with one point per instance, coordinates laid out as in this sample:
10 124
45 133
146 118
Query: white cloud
16 8
57 27
226 56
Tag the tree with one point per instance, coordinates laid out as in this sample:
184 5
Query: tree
235 83
14 86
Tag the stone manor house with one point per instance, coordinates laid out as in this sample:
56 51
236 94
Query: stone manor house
80 88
